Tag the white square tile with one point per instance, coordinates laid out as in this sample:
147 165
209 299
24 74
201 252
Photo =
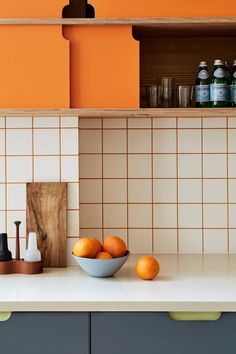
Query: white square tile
2 169
189 140
90 166
90 123
114 191
190 190
115 215
2 122
140 215
16 196
73 195
164 122
232 190
12 246
232 241
232 215
46 142
232 140
214 166
139 123
215 241
90 216
114 166
46 169
164 191
19 169
13 216
164 166
97 233
111 123
140 241
215 215
73 223
232 165
165 241
139 141
90 141
232 122
69 169
139 166
91 191
2 142
190 166
190 215
214 140
214 122
46 122
69 122
18 122
19 142
189 123
190 241
2 197
122 233
215 191
114 141
69 141
164 141
3 221
165 216
139 191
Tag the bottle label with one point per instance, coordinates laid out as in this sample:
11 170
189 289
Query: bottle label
203 74
219 73
218 92
233 93
202 93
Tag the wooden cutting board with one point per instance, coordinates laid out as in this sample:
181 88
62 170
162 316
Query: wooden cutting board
46 215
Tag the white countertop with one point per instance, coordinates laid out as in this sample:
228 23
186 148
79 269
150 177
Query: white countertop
185 283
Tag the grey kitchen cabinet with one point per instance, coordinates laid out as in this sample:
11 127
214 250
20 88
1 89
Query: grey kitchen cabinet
156 333
45 333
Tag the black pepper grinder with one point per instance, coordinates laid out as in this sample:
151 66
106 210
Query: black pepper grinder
5 254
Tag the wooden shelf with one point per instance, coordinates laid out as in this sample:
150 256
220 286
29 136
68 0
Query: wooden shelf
122 113
161 23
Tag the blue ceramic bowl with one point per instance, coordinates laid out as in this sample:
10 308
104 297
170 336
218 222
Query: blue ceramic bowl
101 268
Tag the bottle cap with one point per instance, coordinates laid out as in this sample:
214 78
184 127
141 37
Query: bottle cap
203 63
218 62
234 62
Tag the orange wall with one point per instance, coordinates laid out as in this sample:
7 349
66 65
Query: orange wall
104 64
30 8
158 8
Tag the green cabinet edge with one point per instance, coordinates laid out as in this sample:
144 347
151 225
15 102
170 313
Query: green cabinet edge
4 316
195 316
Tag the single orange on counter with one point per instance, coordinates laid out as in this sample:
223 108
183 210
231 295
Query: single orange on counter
85 247
103 255
97 243
115 246
147 267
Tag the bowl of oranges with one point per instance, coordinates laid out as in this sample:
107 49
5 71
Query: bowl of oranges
100 260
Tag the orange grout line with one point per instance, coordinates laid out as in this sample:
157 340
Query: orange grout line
202 185
177 182
228 211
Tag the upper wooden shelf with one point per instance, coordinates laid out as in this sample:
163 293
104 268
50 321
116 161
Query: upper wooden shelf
122 113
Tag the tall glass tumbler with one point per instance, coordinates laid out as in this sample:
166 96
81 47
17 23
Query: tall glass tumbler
154 95
168 84
185 96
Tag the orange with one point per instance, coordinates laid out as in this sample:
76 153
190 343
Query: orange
147 267
103 255
97 243
85 248
115 246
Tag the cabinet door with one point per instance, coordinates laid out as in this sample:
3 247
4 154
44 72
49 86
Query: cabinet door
47 333
156 333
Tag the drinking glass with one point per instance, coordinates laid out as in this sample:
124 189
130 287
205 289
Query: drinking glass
168 84
154 95
184 96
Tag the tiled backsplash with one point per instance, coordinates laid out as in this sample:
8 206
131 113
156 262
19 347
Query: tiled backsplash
165 185
37 150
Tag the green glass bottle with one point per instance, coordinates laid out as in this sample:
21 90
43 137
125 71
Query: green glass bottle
233 86
202 87
218 89
228 78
